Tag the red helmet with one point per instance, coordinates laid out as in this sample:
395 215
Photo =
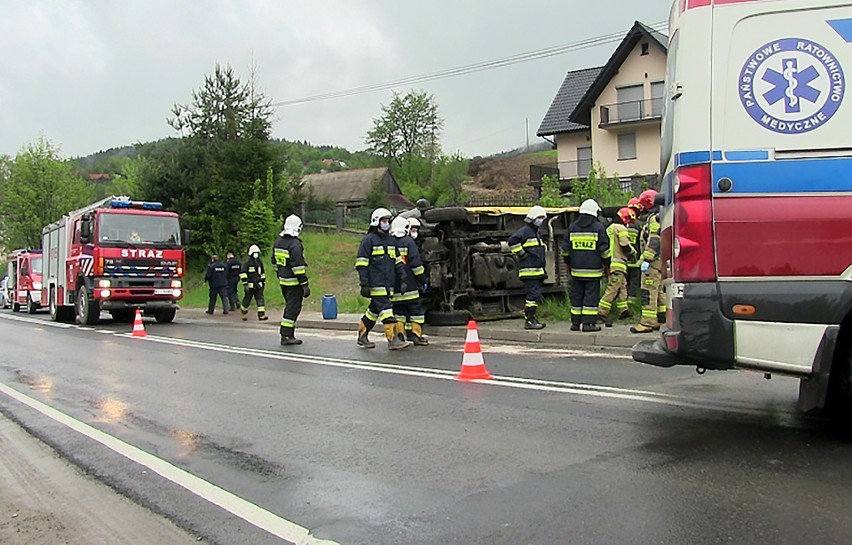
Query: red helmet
634 204
626 215
646 199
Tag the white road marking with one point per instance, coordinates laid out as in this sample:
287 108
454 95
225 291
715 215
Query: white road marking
251 513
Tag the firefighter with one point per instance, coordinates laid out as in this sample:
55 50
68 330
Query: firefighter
653 306
289 257
379 269
407 309
586 253
633 273
527 246
253 277
234 268
623 253
217 278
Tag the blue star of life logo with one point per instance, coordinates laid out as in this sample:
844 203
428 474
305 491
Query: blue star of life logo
791 85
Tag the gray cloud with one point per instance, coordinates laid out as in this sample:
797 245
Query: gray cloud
94 75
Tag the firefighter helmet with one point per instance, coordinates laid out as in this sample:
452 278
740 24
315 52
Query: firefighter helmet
292 225
590 207
377 216
413 227
534 213
646 199
634 204
399 227
626 215
253 249
413 222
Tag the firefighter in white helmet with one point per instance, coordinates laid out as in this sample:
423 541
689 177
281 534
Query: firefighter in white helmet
379 266
289 257
527 246
407 309
586 253
253 277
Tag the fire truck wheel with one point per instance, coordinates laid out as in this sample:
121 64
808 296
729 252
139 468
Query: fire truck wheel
165 316
31 306
88 311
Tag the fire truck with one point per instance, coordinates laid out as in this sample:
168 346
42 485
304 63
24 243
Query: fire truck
114 255
23 287
756 220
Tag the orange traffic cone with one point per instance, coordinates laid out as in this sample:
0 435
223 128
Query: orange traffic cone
138 327
473 365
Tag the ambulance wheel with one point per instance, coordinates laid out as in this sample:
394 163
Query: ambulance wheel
31 306
88 310
165 316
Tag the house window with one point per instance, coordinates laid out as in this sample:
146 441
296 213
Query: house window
630 102
627 146
644 48
584 161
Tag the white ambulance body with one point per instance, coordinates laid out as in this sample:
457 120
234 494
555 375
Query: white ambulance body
757 220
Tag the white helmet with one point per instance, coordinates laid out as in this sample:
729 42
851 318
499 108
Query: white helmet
590 207
399 227
292 225
253 249
413 222
378 214
535 212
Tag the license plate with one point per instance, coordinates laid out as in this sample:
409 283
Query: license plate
162 292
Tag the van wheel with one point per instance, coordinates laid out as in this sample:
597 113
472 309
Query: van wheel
31 306
88 310
447 213
839 401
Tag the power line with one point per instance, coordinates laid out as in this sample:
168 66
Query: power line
468 69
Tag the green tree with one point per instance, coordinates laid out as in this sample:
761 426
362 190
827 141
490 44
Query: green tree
408 127
606 190
258 221
38 188
551 194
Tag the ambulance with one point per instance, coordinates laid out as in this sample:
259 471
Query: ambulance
757 219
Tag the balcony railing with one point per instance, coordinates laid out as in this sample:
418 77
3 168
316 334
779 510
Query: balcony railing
631 111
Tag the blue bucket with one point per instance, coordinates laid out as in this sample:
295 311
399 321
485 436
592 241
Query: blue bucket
329 307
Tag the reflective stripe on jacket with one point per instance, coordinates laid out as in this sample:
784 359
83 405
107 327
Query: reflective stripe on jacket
288 255
622 250
586 247
378 263
413 269
527 246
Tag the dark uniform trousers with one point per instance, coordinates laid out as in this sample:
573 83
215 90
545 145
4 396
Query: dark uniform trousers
256 293
293 296
379 310
585 293
218 292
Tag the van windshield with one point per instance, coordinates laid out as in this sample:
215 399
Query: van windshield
138 229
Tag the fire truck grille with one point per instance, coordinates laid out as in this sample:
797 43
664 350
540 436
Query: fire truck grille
140 268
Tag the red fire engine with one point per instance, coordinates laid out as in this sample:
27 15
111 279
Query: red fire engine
23 287
116 255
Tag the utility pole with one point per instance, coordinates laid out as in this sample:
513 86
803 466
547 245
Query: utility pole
528 134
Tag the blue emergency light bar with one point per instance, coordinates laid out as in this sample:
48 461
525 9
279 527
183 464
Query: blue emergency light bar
117 203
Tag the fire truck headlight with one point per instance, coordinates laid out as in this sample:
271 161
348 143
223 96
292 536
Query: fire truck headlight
176 293
176 283
103 283
36 285
104 294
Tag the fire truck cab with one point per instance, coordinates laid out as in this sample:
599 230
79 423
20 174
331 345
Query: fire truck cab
115 255
757 217
23 286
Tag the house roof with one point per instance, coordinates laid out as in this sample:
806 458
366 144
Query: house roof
574 86
344 186
582 112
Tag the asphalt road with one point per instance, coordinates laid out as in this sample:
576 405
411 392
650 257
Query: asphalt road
233 439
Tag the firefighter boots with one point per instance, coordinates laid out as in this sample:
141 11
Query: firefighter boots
262 316
363 341
625 315
604 320
591 327
416 335
531 321
286 341
393 337
642 328
244 313
661 317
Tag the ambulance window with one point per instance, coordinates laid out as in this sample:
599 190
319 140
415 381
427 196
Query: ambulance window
667 136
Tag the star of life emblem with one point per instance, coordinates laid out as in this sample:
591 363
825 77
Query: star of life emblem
791 85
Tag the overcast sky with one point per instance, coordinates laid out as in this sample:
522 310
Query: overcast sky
92 75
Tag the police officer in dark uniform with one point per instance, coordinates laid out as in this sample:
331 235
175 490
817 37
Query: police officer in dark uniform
253 277
587 253
234 267
527 246
217 277
289 257
379 268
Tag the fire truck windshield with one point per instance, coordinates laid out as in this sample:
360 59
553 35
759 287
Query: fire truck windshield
117 229
35 265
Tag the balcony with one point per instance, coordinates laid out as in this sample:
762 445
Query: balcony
632 112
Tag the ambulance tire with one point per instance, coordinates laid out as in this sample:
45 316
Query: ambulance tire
88 310
165 316
31 306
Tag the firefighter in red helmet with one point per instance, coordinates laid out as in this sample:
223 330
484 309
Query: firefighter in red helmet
634 275
623 252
